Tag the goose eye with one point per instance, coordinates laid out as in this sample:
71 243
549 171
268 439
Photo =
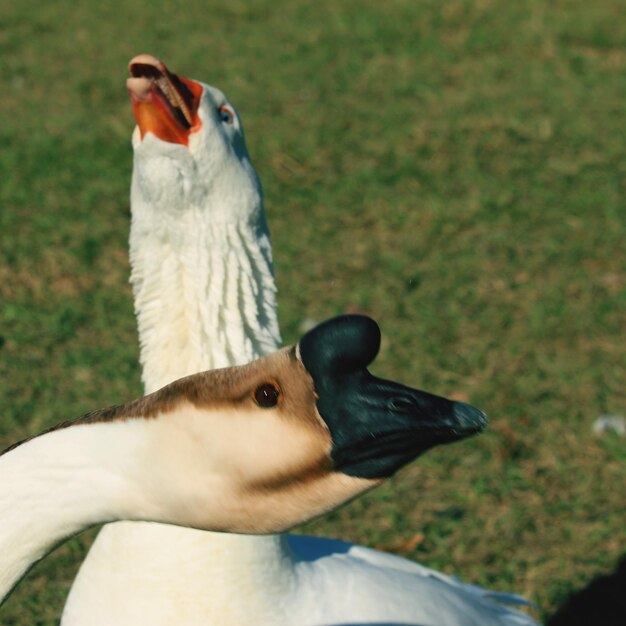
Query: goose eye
226 115
267 395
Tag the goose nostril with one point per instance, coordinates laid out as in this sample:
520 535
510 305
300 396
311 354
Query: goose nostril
401 404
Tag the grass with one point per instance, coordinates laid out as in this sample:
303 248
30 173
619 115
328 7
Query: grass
454 169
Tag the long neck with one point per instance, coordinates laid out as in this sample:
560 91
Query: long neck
53 487
204 296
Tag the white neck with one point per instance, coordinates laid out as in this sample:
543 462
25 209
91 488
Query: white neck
204 295
58 484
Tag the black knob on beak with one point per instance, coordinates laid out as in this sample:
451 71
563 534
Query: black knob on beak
340 345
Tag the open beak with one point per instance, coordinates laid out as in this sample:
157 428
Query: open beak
163 103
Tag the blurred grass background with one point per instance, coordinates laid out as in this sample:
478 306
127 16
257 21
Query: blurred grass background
454 168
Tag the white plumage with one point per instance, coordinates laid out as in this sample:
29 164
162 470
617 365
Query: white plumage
205 297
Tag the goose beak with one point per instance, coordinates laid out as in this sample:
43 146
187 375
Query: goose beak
395 425
376 425
163 103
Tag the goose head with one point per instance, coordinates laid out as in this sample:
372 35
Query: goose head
263 447
189 146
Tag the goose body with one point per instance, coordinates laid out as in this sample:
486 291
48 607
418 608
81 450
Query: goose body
205 297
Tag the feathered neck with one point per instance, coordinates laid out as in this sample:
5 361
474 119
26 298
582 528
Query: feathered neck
60 483
205 295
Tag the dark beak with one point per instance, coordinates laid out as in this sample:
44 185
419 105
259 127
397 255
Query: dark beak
377 426
380 426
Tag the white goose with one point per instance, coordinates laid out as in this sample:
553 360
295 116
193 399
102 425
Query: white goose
205 297
256 448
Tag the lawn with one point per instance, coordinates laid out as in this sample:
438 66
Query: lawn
456 169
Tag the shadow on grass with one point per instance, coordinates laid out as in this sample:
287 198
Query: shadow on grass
603 602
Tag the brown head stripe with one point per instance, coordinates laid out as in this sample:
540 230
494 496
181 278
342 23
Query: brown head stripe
221 387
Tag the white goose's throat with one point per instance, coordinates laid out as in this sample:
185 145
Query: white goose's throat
203 302
205 297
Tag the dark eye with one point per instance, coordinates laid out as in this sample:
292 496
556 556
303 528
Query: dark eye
267 395
226 114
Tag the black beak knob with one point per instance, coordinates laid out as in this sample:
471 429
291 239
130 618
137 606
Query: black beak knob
340 346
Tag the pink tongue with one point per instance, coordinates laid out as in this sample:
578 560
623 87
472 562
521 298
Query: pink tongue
140 87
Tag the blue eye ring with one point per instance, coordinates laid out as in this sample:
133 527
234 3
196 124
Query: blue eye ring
226 114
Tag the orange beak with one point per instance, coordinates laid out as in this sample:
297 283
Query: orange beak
164 104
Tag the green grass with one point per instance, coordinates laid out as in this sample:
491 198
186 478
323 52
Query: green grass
456 169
